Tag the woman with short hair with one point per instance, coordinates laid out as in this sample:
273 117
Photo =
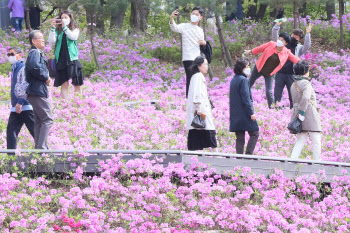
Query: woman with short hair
242 117
305 108
198 104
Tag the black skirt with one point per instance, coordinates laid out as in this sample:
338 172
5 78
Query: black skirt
200 139
67 69
72 71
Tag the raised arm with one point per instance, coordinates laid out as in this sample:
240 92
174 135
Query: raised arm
275 31
261 48
52 35
293 58
307 40
73 35
173 26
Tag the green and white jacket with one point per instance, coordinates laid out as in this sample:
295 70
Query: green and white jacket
72 37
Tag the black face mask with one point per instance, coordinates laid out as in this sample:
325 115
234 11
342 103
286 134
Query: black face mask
294 42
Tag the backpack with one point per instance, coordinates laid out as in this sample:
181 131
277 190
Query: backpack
21 85
207 51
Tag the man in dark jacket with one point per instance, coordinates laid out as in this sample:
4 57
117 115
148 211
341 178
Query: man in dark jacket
38 95
21 111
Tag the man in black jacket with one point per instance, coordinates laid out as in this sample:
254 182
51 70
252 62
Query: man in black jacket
38 94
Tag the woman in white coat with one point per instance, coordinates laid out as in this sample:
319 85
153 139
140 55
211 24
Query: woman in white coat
198 103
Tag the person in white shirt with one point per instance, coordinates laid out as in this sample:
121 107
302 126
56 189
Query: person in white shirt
192 38
198 104
65 32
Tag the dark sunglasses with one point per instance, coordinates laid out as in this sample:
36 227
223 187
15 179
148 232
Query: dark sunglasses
10 54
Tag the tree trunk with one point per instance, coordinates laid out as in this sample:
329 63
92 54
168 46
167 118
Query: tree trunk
100 26
341 10
273 13
92 42
342 7
330 8
296 14
211 75
261 13
117 20
252 10
27 19
302 11
139 14
224 49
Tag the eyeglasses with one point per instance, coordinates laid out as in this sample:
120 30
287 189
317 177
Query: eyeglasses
39 38
11 54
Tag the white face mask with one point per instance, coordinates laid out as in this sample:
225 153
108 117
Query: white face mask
247 71
194 18
12 60
280 43
66 22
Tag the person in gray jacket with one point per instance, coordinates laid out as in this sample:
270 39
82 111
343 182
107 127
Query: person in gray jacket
37 77
305 108
285 77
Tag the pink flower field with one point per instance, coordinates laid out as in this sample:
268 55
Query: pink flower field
115 112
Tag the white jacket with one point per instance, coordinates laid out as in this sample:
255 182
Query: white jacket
198 93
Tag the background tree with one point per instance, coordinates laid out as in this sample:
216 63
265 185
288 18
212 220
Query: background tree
139 15
216 6
92 9
297 4
117 11
330 9
341 13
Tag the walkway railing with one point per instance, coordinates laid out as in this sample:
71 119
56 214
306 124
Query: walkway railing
222 162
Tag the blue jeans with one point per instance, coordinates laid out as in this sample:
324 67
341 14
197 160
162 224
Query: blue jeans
268 84
17 23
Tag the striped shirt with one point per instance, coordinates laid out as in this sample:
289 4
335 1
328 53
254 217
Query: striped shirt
191 35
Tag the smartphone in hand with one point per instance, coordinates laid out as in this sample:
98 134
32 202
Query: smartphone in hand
177 9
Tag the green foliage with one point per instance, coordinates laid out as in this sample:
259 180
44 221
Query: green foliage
159 24
236 48
88 68
5 68
169 54
126 22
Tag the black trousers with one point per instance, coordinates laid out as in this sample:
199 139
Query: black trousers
282 80
240 141
15 124
187 65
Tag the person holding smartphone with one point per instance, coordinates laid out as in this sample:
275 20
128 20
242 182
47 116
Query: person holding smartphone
192 38
65 32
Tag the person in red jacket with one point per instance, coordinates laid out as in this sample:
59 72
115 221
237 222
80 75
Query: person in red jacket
274 56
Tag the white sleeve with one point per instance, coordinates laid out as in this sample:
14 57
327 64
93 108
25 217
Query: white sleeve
177 27
197 88
52 36
73 35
